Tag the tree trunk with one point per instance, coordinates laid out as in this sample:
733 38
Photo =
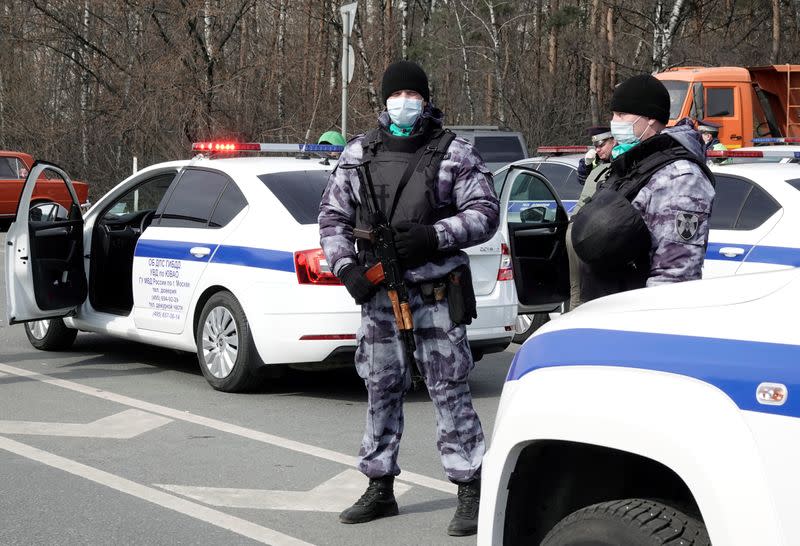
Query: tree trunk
85 53
467 85
496 53
776 31
281 66
372 94
612 64
404 28
594 90
553 40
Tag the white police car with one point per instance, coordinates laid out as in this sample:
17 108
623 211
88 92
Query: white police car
664 415
753 225
217 256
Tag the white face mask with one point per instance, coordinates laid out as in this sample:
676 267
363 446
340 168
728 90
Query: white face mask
404 112
624 132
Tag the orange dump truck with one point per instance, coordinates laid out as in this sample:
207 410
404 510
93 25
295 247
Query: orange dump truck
14 167
758 101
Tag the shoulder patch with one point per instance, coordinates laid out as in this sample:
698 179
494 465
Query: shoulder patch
686 224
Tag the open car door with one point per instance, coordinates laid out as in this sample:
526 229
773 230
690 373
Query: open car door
537 224
45 275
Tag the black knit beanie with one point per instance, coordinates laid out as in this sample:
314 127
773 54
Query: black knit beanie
643 95
405 75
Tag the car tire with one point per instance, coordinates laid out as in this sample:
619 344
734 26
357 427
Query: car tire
527 324
628 522
50 334
225 349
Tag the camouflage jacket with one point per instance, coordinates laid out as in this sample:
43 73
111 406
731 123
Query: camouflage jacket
676 205
463 181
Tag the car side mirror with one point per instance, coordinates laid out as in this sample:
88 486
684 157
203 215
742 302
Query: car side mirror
533 214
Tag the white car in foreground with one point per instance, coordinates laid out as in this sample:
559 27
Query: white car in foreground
216 256
666 415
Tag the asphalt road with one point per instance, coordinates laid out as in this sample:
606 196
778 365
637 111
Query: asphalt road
117 442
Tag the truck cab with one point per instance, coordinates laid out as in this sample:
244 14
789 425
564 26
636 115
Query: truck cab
747 102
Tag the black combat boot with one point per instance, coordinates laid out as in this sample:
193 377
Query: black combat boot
465 522
376 502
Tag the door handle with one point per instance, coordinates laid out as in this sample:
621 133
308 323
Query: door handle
731 251
200 251
736 137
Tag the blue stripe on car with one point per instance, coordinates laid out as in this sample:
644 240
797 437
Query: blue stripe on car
175 250
255 257
262 258
756 254
736 367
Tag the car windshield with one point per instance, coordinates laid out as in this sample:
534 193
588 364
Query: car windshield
677 96
299 192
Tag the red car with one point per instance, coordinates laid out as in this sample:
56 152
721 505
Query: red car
14 168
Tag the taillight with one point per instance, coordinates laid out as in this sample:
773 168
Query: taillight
505 273
312 268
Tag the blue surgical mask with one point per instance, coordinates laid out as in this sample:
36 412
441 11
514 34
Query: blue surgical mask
404 112
624 132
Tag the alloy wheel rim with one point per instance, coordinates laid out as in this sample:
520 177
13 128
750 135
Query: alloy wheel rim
220 342
38 328
522 324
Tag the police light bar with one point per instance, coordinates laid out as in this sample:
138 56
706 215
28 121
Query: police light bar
222 147
777 140
562 149
752 153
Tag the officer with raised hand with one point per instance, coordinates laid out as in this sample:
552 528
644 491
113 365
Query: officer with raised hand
709 131
438 196
598 153
648 222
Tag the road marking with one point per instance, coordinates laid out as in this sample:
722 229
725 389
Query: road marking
149 494
333 495
123 426
222 426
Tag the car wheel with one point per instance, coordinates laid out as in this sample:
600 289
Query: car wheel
225 349
629 522
528 324
50 334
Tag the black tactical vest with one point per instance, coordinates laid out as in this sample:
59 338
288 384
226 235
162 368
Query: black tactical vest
609 234
389 158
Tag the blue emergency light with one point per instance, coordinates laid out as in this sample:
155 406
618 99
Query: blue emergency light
231 147
777 140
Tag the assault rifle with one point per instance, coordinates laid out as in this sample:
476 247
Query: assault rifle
388 271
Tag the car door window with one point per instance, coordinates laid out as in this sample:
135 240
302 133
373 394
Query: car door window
757 209
731 193
230 204
145 196
193 199
530 200
563 178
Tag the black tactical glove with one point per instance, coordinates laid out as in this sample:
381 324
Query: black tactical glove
354 279
416 243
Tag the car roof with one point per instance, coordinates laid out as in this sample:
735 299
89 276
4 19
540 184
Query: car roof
767 171
256 166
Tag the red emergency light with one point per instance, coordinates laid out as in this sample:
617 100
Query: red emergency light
562 149
733 153
226 147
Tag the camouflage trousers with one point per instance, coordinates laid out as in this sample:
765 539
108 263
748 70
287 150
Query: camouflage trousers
445 360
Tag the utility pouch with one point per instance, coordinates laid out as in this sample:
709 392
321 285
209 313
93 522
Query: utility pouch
461 296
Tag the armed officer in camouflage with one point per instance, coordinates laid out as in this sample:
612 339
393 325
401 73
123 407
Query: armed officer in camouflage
439 197
647 224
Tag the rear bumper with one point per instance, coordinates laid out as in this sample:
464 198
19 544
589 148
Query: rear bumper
278 335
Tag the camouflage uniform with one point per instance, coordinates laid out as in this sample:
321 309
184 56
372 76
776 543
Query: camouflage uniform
676 205
443 352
